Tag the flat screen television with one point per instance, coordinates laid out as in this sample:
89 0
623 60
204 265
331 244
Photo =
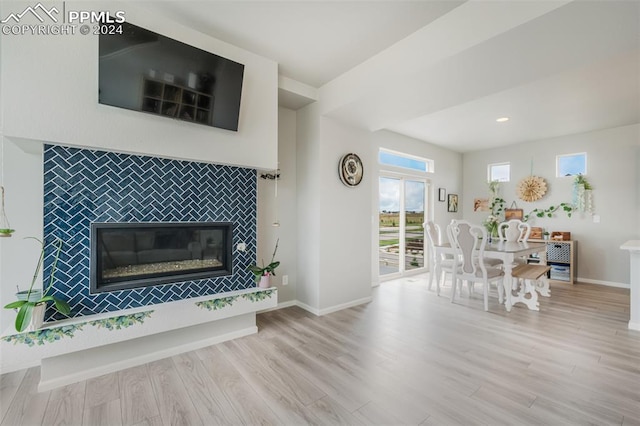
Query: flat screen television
144 71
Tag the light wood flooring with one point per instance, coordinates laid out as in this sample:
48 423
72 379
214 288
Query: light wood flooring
408 357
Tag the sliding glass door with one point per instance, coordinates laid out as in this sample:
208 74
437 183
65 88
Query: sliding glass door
414 197
401 209
389 225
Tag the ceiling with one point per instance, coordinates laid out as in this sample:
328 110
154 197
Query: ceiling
554 68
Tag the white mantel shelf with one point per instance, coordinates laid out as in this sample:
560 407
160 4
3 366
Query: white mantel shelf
633 246
80 348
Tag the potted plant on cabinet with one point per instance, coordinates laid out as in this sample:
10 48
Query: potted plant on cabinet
263 274
31 304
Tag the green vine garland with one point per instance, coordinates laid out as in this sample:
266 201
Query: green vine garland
215 304
548 212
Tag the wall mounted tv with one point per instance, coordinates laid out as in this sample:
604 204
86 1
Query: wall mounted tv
144 71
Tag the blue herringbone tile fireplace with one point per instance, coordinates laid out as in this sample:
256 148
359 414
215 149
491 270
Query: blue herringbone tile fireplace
83 186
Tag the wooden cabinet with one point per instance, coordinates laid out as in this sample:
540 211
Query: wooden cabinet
172 100
561 256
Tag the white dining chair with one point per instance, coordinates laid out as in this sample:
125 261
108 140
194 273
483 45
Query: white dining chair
470 240
514 230
438 268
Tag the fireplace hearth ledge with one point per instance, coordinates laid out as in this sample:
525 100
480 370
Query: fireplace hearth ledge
91 346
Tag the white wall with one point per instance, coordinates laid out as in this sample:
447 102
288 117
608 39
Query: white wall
308 206
334 221
345 217
613 161
50 93
24 205
285 210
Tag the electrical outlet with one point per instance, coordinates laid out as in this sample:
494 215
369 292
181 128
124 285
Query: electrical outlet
285 280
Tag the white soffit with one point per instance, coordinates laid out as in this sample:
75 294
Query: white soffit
578 60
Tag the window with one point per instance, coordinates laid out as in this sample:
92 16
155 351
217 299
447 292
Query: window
406 161
571 164
499 171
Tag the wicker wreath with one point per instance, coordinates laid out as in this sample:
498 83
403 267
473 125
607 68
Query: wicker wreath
531 188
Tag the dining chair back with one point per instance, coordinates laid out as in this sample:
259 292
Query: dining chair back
470 240
514 230
438 268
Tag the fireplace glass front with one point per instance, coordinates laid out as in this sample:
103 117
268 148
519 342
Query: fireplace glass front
134 255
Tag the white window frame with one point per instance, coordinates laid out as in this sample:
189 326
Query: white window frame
428 215
490 167
575 154
429 163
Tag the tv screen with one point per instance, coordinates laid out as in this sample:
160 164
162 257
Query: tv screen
144 71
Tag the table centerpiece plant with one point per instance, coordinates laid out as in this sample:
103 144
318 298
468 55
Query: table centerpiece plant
495 218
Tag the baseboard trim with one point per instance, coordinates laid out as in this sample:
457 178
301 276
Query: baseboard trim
307 308
605 283
634 325
21 366
325 311
282 305
346 305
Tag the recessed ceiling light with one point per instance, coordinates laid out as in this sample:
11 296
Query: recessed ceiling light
502 119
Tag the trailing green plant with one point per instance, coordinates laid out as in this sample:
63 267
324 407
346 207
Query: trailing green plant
494 188
270 269
550 211
493 220
25 307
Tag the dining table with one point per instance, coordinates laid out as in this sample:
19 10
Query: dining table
506 251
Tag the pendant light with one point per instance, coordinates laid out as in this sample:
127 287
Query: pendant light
5 226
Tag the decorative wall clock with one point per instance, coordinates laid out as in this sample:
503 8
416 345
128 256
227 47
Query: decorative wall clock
350 169
531 188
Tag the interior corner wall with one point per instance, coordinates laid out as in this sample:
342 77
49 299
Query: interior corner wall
308 206
281 209
345 218
613 161
50 93
334 221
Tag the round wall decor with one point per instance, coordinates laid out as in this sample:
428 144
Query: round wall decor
531 188
350 169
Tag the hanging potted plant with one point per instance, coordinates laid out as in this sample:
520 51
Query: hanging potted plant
263 274
32 304
582 194
5 227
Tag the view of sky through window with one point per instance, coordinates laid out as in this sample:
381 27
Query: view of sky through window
571 164
389 194
407 162
500 172
414 190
